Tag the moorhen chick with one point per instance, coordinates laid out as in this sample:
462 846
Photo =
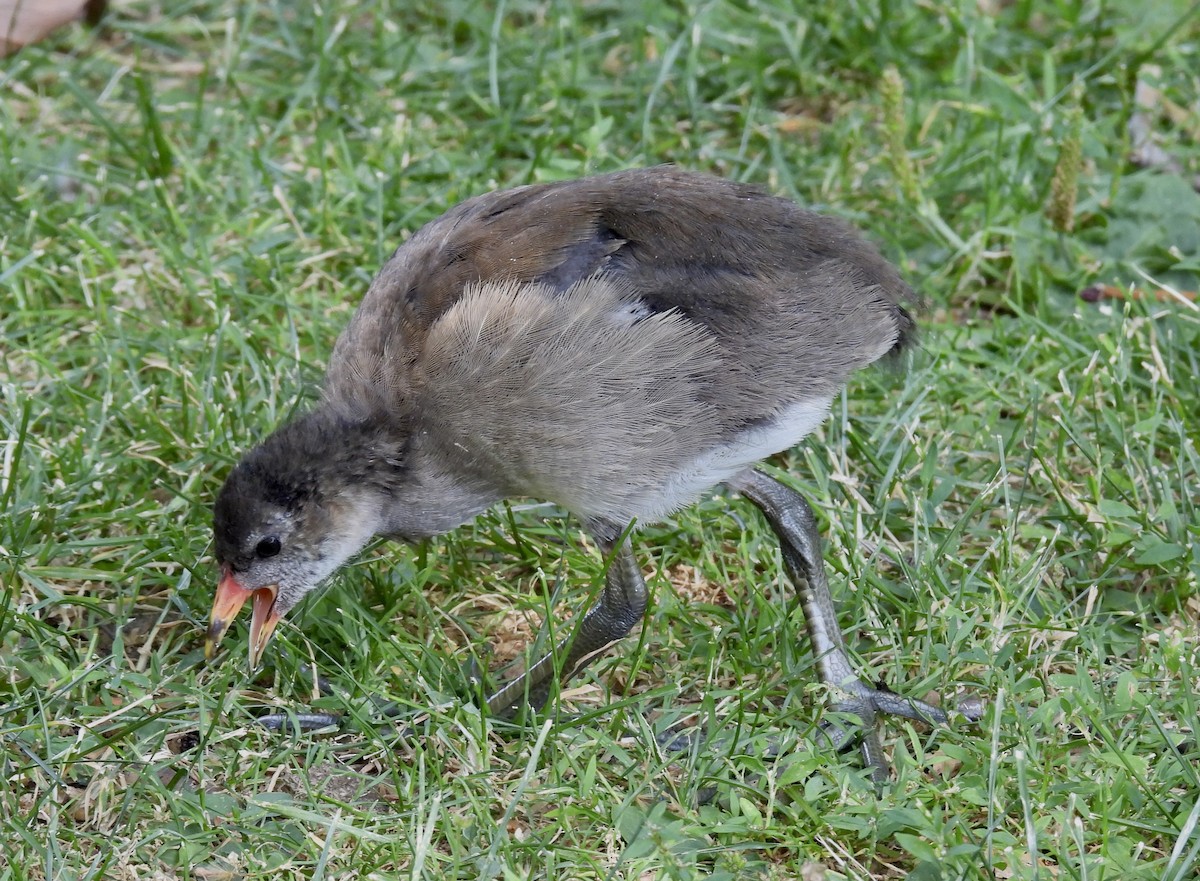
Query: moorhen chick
616 345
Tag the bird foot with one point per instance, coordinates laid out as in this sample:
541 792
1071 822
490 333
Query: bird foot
868 704
475 677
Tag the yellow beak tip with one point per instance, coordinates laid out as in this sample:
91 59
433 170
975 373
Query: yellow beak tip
212 639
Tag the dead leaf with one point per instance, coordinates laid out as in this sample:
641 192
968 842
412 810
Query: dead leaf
1096 292
26 21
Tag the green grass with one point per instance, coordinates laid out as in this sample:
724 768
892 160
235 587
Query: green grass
190 208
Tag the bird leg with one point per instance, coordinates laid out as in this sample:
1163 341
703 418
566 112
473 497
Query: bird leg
793 522
621 605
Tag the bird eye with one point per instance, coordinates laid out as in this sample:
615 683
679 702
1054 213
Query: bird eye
268 547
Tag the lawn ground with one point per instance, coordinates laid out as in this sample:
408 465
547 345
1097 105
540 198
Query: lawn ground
194 198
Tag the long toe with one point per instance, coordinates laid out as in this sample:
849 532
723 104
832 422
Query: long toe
867 705
475 678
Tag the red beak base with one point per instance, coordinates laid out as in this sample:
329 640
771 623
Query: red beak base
228 601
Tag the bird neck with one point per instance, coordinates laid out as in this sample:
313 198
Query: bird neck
391 478
434 497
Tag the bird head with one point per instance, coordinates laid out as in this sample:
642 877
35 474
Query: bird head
289 515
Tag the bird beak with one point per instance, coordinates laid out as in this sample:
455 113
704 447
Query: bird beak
262 622
229 600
